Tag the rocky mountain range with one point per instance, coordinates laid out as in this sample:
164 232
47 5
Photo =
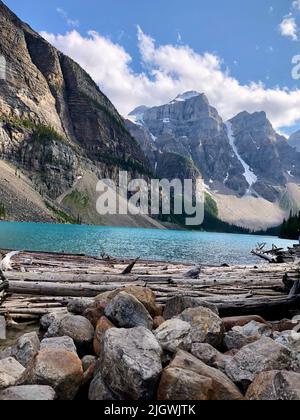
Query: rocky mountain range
58 132
251 171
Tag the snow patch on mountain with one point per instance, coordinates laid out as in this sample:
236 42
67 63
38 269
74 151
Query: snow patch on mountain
185 96
136 119
249 175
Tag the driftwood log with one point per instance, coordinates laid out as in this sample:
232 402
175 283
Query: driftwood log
52 280
269 309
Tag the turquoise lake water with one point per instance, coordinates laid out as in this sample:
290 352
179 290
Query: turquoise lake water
194 247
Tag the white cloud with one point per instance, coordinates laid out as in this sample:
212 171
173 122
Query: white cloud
170 70
288 27
296 4
65 16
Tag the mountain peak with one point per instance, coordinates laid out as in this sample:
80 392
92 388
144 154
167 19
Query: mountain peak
186 96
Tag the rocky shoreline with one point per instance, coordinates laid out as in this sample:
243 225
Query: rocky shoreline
123 345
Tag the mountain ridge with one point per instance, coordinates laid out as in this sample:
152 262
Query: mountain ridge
252 163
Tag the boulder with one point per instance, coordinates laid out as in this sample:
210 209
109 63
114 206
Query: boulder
261 356
255 329
275 386
103 325
48 319
131 363
92 314
240 321
206 327
88 362
125 311
6 353
28 393
88 366
59 369
142 294
283 325
59 343
102 300
187 378
172 333
239 337
296 319
76 327
26 348
289 339
157 321
145 296
210 356
79 306
176 305
297 328
184 385
98 391
10 372
235 340
159 310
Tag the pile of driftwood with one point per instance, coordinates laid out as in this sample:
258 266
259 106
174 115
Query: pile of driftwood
277 255
34 284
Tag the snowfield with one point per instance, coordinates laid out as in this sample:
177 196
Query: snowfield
249 175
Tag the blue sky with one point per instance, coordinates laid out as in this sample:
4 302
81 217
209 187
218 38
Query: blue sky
243 36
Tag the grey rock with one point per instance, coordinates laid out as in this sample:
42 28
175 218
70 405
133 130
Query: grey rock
6 353
10 372
131 363
79 306
236 340
98 391
28 393
255 329
88 361
210 356
48 319
176 305
239 337
172 333
2 328
26 348
291 340
206 327
261 356
60 343
74 326
125 311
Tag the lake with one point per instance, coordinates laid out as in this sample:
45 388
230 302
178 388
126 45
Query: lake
169 245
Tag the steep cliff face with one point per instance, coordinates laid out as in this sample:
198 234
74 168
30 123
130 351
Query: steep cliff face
55 123
190 127
246 165
271 158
